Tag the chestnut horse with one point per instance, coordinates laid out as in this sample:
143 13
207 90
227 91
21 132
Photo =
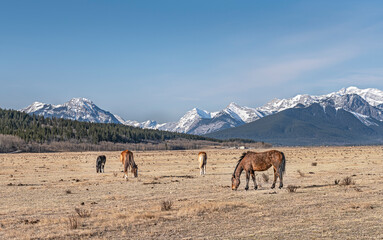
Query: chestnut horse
253 161
202 158
127 160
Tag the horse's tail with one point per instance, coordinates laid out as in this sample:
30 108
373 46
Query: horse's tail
131 159
282 165
122 156
201 159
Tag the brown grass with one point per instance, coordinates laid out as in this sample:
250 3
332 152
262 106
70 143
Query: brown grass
35 205
265 177
300 173
72 222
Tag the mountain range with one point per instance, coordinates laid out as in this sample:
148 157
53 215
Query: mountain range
361 106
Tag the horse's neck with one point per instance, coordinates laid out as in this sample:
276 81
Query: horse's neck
238 171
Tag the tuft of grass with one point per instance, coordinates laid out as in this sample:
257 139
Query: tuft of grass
347 181
265 177
314 164
292 188
82 212
166 205
68 191
115 174
336 181
72 222
301 173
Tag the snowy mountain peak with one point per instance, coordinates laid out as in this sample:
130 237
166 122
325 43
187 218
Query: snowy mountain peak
80 103
35 107
372 95
198 112
80 109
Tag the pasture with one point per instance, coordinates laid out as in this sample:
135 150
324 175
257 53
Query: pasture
329 193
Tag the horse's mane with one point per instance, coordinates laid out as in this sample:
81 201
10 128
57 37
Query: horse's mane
239 161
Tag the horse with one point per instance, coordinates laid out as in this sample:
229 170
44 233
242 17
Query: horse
254 161
100 163
127 160
202 158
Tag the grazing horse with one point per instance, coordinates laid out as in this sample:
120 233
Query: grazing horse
253 161
100 163
202 158
127 160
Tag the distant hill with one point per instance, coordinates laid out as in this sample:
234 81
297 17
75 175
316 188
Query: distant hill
316 124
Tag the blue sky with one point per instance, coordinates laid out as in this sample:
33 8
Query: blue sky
158 59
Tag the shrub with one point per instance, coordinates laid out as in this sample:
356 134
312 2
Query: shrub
166 205
347 181
82 212
314 164
292 188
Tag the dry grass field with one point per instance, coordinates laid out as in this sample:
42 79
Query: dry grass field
60 196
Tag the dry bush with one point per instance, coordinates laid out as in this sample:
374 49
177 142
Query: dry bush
115 173
265 177
9 143
82 212
73 222
336 181
292 188
347 181
301 173
314 164
68 191
166 205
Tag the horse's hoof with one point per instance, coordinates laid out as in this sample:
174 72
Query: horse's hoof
272 187
280 187
255 188
246 188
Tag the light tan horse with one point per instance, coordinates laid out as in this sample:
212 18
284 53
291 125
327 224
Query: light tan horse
202 158
253 161
127 160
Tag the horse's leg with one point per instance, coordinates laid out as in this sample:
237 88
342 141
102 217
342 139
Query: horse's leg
280 179
204 169
275 178
200 171
247 180
255 182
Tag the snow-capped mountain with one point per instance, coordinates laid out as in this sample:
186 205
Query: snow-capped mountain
364 104
80 109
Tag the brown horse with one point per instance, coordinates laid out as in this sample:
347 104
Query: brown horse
202 158
253 161
127 160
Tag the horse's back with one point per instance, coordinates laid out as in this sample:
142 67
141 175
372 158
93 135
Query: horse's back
124 154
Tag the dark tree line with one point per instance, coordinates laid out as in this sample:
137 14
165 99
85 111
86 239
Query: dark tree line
32 128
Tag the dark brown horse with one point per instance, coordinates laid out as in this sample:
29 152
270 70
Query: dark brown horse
253 161
127 160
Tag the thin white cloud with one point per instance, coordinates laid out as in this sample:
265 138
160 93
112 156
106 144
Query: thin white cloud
366 77
281 72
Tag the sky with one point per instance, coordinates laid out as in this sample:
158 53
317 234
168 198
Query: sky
158 59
